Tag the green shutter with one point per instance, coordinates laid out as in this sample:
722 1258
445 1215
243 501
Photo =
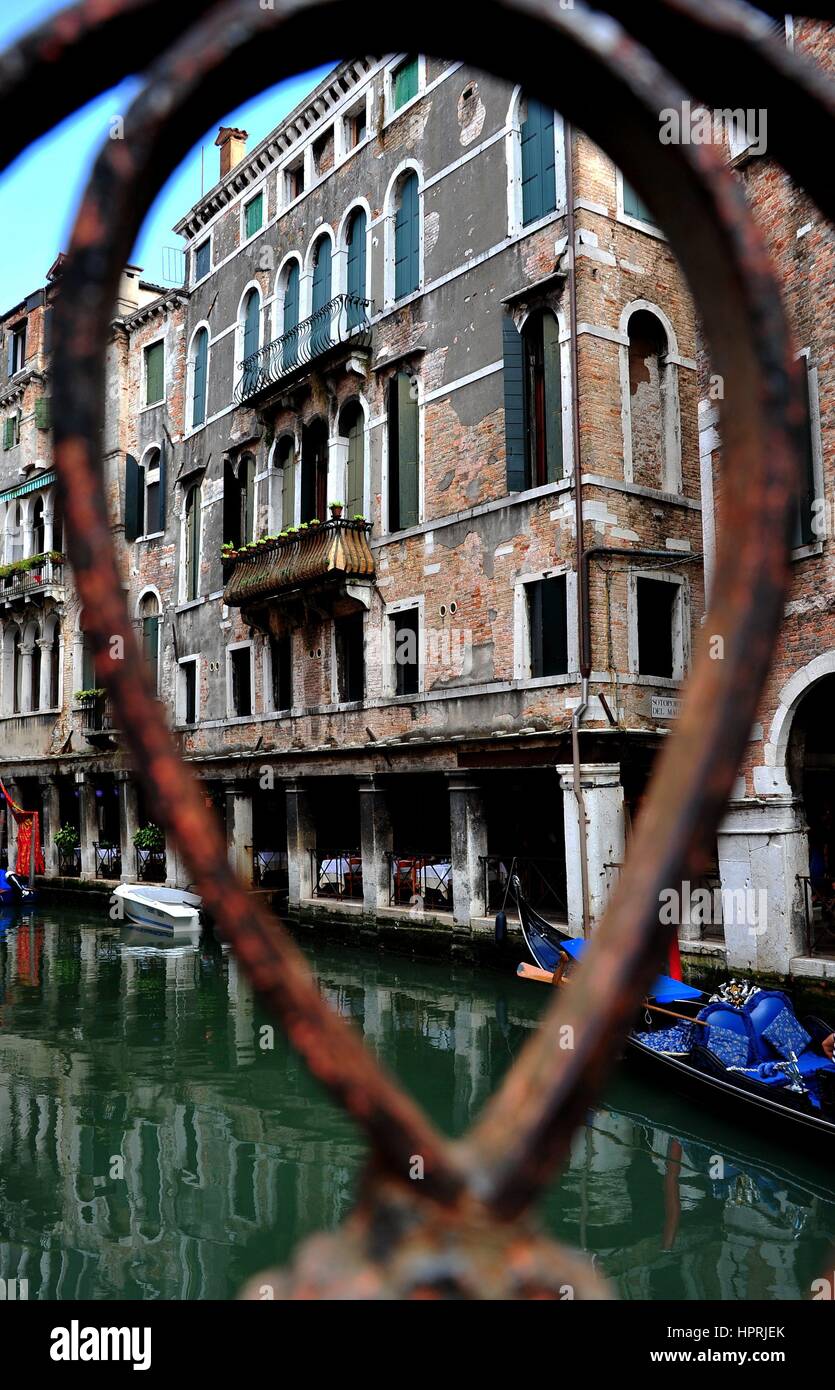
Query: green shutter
8 432
356 268
132 491
553 398
43 413
354 501
405 82
407 239
291 316
407 452
803 529
539 187
254 214
201 355
162 480
634 207
514 407
321 335
154 373
287 463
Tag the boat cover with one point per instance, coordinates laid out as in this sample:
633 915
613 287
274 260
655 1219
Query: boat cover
665 989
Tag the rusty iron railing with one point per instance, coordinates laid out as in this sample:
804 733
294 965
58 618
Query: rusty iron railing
436 1218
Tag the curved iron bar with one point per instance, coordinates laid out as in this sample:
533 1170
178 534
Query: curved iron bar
528 1125
344 319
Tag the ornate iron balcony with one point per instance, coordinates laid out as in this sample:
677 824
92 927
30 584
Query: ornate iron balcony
343 321
332 550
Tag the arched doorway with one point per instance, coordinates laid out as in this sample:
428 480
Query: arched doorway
810 767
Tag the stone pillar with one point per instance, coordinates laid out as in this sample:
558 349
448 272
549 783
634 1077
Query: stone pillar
11 825
376 842
26 653
128 824
45 692
239 830
468 839
301 840
763 857
89 824
605 833
52 824
48 531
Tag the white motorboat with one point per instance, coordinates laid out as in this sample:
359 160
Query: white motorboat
166 911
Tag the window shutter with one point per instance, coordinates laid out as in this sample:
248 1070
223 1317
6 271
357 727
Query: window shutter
405 82
547 155
252 313
9 358
532 164
154 373
321 336
43 414
356 267
535 627
231 505
553 398
132 489
803 531
407 239
254 215
514 407
291 315
288 486
201 354
633 206
162 481
554 637
354 503
407 452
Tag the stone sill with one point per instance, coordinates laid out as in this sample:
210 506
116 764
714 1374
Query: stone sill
812 968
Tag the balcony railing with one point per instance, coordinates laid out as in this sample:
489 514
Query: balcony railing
108 861
344 320
269 868
332 550
150 865
44 573
96 715
420 879
337 873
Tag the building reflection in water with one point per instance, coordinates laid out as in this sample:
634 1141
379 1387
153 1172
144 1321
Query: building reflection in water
154 1145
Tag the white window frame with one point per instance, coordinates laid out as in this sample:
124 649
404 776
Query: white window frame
351 704
202 242
17 332
389 672
389 300
522 625
267 677
393 112
231 712
191 428
384 471
650 228
182 662
146 404
516 226
298 160
681 626
364 102
148 475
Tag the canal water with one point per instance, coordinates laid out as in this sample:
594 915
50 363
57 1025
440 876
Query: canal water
151 1147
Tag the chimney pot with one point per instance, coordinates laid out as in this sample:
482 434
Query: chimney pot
232 143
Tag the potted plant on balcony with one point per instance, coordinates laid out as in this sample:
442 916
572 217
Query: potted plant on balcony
66 838
149 837
336 510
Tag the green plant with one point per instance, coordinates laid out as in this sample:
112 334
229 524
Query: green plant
66 837
88 694
149 837
358 516
336 503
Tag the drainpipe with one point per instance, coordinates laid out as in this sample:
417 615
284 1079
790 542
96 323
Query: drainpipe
582 570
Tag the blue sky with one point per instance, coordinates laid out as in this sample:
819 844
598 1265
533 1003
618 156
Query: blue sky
39 194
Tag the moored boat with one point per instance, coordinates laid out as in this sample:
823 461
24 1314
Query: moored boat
165 911
742 1047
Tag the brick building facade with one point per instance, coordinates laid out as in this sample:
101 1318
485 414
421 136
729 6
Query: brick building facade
381 311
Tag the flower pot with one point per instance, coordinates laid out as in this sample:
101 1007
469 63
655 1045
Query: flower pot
336 513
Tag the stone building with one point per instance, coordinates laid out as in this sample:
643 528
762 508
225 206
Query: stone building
343 466
778 835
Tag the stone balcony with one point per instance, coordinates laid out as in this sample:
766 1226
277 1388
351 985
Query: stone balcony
332 560
43 577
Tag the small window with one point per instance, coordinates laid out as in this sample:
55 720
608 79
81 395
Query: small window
281 671
11 431
254 215
356 127
404 82
548 626
294 182
241 674
406 651
202 260
656 613
633 206
17 348
154 373
349 640
188 692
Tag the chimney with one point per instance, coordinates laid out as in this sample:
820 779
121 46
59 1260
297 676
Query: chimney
232 144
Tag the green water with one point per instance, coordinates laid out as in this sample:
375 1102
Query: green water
151 1148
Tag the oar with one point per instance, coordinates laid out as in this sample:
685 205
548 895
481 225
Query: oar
545 977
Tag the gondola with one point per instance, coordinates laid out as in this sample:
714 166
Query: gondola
742 1048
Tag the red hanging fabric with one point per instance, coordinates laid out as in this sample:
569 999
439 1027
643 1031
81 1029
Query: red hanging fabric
674 967
29 823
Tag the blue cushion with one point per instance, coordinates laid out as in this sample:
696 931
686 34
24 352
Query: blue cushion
730 1046
676 1039
762 1009
786 1035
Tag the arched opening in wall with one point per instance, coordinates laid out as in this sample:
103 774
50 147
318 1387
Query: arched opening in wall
149 619
811 772
52 657
314 490
283 484
17 671
38 528
543 399
321 307
14 534
239 500
352 431
648 404
34 701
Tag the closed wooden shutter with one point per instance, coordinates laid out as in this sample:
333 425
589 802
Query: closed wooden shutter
254 215
133 522
553 398
356 268
405 85
407 239
163 471
321 336
354 422
43 413
803 529
291 315
514 407
154 373
201 359
404 460
539 189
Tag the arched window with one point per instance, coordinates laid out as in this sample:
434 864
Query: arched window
34 700
321 335
356 278
57 523
532 402
284 496
407 236
250 339
38 528
314 490
650 399
17 672
149 617
539 181
352 429
192 528
199 376
239 500
290 326
403 453
53 656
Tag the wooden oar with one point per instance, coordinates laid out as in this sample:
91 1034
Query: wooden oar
545 977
